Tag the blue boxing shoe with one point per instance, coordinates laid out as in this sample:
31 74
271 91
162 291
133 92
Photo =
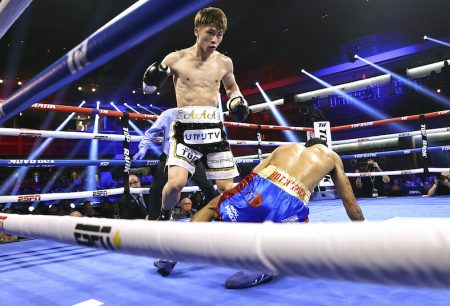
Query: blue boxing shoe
247 279
164 266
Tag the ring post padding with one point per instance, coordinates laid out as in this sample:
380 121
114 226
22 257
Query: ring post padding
140 21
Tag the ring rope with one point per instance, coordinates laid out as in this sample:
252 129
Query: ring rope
116 137
381 252
396 152
89 111
111 137
390 136
117 191
104 112
79 194
64 134
397 119
144 163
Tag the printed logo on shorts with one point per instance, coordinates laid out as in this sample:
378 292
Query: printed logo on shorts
220 160
291 219
231 213
188 153
256 201
202 136
196 114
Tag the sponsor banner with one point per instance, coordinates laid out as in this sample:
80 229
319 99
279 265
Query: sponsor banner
220 160
202 136
188 153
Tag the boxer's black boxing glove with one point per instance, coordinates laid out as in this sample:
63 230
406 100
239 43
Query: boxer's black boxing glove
155 77
238 107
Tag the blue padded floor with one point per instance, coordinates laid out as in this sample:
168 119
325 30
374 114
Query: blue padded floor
39 272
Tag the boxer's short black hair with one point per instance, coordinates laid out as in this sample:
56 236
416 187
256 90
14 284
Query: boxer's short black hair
211 16
314 141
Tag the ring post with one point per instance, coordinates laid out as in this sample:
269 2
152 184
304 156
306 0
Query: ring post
140 21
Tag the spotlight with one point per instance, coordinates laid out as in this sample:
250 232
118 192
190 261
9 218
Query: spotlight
30 208
93 89
438 90
134 91
112 103
1 81
125 104
302 71
425 37
80 88
138 104
19 83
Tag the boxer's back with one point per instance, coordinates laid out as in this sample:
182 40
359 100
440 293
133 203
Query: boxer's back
309 165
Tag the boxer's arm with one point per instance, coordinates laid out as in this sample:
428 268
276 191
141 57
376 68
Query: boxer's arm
237 105
228 80
157 74
345 191
208 212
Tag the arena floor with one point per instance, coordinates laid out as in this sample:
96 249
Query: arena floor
39 272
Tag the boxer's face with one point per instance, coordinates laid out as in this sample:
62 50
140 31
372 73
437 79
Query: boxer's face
208 38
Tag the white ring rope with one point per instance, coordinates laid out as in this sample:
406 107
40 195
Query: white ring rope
111 137
411 252
390 136
64 135
117 191
79 194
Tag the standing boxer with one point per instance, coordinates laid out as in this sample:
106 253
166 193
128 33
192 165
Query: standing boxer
197 131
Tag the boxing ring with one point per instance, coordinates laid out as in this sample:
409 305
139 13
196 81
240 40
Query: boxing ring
54 273
400 255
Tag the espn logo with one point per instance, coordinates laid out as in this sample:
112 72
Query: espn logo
99 193
96 236
29 198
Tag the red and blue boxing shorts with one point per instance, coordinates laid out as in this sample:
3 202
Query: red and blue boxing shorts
270 195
